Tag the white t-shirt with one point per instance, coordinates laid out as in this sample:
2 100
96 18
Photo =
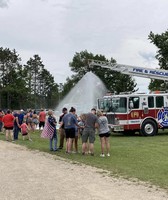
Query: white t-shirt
103 125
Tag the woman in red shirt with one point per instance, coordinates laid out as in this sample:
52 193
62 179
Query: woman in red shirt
8 123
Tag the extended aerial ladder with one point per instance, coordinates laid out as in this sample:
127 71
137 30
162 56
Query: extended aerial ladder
132 70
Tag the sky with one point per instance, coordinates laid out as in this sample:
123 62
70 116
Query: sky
57 29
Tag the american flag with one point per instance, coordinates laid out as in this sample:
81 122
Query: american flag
47 131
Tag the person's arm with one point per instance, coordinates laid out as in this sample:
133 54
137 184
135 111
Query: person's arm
17 121
61 124
60 119
27 127
96 123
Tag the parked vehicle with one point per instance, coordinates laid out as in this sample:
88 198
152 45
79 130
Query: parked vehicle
129 113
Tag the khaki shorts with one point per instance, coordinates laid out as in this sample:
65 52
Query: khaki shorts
88 133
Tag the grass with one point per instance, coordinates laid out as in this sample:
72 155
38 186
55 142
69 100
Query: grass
142 158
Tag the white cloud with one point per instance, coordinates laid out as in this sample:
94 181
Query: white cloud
4 3
56 30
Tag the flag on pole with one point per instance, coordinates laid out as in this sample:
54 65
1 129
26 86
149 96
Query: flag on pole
48 131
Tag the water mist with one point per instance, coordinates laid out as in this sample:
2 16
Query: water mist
83 96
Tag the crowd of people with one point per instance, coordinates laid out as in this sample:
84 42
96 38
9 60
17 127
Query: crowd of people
13 123
84 126
71 129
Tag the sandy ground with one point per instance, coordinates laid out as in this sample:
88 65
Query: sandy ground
26 174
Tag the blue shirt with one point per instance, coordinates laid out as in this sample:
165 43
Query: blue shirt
69 121
20 118
53 122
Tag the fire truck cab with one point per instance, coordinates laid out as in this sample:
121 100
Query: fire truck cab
130 113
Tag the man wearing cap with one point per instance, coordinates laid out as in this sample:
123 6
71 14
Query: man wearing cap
61 130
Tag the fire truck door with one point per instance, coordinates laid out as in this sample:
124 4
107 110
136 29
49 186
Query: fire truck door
135 112
144 105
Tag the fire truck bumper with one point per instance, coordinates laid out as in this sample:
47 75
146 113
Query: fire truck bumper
117 128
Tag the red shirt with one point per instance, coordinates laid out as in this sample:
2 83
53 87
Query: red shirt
42 116
24 128
8 120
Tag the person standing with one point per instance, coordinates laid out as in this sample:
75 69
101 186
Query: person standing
29 116
25 130
42 118
1 115
35 120
91 123
104 133
17 122
61 129
53 123
8 123
70 122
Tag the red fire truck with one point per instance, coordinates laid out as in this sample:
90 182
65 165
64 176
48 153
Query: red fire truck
129 113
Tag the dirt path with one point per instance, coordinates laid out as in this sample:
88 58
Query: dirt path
26 174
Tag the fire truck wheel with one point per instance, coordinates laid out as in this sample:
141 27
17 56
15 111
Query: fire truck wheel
149 128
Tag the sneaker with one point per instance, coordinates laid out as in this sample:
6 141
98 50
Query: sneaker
92 154
30 140
56 149
102 155
83 153
108 155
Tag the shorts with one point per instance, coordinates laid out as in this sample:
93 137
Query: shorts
88 133
70 133
41 124
23 134
104 134
35 121
8 128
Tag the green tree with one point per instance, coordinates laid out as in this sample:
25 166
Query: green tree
161 42
34 68
49 89
10 78
114 81
40 83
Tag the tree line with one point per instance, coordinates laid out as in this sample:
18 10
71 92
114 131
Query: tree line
25 86
31 85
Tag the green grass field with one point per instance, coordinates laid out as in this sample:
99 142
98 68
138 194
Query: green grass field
144 158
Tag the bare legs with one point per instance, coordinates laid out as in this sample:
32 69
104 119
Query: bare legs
105 144
9 133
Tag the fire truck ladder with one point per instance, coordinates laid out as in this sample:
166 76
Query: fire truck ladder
132 70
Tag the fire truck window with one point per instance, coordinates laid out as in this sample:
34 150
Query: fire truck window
101 104
123 105
119 104
151 102
134 102
159 102
110 104
106 105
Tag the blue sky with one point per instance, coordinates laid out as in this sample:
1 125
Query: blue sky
57 29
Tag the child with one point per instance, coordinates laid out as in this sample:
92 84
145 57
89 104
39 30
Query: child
24 130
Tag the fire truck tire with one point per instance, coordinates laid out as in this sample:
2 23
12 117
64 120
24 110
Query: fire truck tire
149 128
